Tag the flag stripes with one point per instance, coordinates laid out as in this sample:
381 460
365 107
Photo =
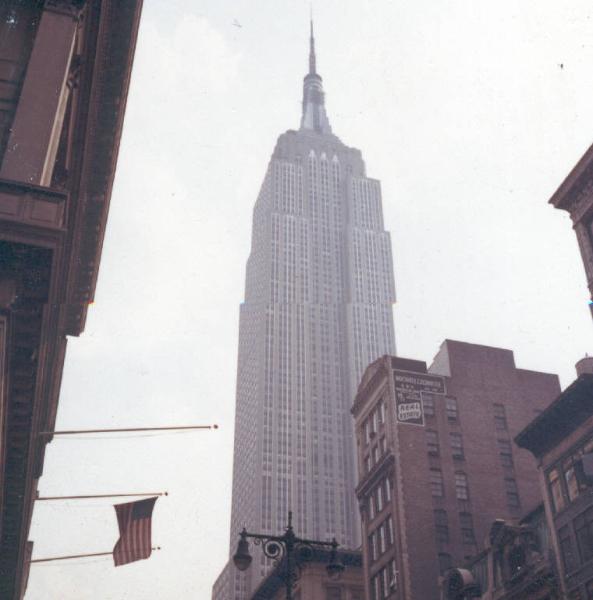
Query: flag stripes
135 530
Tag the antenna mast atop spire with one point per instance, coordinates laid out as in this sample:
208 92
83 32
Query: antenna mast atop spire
312 59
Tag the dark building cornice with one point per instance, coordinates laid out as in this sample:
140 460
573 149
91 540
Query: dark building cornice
566 414
576 182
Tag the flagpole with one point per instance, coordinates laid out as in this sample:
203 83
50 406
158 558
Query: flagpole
39 560
85 497
128 429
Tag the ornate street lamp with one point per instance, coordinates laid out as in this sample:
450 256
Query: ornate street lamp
290 549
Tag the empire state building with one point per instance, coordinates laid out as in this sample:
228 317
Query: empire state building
318 309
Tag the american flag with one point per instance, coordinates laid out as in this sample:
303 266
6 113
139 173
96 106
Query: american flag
135 522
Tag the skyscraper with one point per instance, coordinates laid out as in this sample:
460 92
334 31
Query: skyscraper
318 309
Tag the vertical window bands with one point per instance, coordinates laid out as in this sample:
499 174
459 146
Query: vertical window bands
467 528
569 559
461 486
512 493
441 523
500 417
583 528
436 483
451 408
456 445
432 442
555 488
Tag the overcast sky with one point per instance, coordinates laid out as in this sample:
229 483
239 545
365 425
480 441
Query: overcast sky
470 113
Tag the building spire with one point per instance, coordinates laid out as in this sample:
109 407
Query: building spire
312 59
314 116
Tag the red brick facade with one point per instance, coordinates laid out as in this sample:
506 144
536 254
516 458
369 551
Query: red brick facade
431 487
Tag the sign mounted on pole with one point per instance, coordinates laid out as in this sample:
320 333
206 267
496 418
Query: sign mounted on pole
409 388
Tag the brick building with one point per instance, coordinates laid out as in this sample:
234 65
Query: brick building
561 438
436 461
575 195
64 75
314 582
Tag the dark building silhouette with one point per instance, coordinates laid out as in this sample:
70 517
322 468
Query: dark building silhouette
437 461
575 195
314 583
64 75
561 439
517 563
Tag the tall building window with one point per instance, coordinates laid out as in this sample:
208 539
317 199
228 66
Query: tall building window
451 408
506 453
376 454
512 493
441 523
381 411
381 585
444 562
456 444
367 431
566 550
373 554
432 442
500 418
428 405
334 593
461 487
466 521
570 477
436 483
390 531
392 576
583 528
387 490
379 497
382 539
555 487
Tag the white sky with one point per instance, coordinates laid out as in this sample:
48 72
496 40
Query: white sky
461 109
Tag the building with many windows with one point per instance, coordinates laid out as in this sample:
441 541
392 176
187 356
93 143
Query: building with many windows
318 309
437 461
561 438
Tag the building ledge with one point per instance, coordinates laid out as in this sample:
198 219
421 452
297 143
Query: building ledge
32 205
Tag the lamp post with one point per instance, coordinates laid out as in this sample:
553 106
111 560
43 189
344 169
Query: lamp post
290 549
